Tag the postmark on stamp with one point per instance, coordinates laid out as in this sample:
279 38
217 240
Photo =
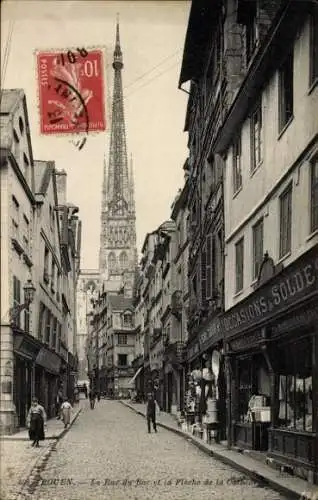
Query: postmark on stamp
71 91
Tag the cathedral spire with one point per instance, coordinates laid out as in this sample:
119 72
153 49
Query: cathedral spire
118 223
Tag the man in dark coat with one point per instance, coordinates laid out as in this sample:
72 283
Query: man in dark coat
151 412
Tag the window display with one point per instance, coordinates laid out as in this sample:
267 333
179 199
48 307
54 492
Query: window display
295 403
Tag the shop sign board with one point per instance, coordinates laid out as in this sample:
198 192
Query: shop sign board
298 281
294 283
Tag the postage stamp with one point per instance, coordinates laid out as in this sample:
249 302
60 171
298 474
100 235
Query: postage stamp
71 91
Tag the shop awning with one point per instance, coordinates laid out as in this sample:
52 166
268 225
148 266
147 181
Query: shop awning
135 376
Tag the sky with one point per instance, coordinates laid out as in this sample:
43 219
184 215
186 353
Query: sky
152 38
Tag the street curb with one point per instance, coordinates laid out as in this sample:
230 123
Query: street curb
255 476
34 476
14 437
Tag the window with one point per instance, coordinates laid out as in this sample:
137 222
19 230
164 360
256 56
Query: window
15 216
53 277
209 258
239 264
123 260
41 320
127 320
314 45
59 337
16 298
26 236
295 386
122 359
285 221
237 166
258 231
46 265
54 332
286 91
47 327
21 125
251 31
15 230
314 195
111 261
203 276
122 339
256 138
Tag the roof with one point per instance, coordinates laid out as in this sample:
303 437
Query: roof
10 98
120 303
42 175
201 20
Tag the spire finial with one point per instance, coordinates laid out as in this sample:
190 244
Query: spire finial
118 56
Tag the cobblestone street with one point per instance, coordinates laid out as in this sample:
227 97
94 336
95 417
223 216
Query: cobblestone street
109 454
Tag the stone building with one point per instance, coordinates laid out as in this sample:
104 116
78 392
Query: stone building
269 142
42 250
17 260
252 69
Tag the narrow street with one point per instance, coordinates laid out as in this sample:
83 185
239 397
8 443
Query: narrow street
109 454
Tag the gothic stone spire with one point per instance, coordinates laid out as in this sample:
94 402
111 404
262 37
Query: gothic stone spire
118 225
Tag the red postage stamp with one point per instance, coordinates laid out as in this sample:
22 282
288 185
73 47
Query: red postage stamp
71 91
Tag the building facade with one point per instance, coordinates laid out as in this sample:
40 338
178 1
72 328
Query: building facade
38 331
253 222
271 238
204 68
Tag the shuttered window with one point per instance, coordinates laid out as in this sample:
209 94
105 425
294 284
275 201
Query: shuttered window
203 275
239 264
16 299
285 222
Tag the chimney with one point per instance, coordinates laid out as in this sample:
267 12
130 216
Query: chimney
61 180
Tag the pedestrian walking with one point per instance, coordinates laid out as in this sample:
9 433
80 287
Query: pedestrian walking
66 409
35 421
85 390
152 408
98 396
91 397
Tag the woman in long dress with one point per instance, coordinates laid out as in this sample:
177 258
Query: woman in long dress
66 413
35 422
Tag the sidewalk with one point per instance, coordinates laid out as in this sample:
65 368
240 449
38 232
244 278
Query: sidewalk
20 462
288 485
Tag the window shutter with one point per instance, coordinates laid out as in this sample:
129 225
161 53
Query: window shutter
209 267
203 275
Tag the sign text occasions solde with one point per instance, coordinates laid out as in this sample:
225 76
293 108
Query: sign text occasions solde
290 288
298 281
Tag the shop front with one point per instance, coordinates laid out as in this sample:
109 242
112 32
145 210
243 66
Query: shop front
272 354
25 349
205 394
174 377
50 363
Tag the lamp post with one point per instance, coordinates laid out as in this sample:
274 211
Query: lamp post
29 291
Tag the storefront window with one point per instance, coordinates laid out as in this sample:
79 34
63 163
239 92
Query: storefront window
295 403
254 388
295 387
